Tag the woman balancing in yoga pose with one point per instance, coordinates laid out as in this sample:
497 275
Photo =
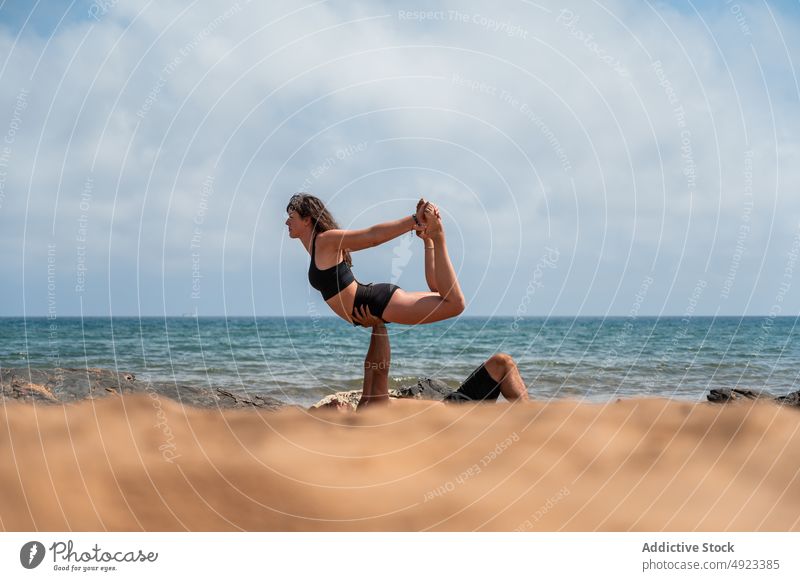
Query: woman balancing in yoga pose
329 271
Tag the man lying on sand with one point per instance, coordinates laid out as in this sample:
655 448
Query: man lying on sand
497 375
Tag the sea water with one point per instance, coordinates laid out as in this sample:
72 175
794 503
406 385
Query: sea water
300 360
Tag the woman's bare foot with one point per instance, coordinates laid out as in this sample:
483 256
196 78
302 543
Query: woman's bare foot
433 220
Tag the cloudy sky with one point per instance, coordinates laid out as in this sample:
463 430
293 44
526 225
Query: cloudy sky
591 158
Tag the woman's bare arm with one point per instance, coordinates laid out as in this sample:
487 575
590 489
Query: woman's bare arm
354 240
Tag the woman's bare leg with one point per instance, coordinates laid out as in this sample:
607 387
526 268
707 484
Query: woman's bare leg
413 308
430 263
446 282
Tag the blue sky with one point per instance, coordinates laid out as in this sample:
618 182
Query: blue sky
590 159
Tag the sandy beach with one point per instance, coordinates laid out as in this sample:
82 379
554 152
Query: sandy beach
135 463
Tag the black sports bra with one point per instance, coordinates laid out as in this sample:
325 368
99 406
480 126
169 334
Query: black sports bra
331 280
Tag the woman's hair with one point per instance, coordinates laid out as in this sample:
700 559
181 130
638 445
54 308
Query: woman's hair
308 206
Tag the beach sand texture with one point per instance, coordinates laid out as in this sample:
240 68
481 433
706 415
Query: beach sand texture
134 463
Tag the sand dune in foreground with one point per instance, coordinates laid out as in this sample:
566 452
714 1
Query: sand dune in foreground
136 463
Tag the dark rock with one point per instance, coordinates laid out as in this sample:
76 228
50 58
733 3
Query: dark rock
792 399
426 388
725 395
65 385
257 400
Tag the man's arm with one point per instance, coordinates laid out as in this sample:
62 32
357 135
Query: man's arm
377 361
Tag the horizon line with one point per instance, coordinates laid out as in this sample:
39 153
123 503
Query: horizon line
527 317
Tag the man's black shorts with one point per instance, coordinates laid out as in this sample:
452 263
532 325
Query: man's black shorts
479 386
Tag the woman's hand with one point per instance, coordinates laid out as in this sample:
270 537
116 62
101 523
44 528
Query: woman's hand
425 209
420 215
363 317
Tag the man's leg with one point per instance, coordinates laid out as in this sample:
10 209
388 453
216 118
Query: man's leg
503 370
496 375
376 369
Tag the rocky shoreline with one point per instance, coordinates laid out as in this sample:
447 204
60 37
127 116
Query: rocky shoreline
68 385
737 394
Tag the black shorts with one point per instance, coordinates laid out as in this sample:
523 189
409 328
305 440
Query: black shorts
479 386
375 296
